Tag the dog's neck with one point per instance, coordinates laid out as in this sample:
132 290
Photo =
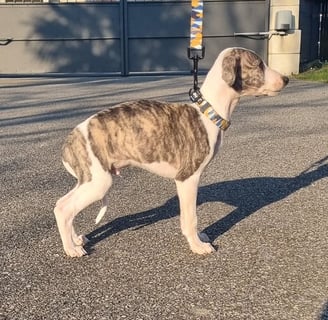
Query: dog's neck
205 107
222 97
221 102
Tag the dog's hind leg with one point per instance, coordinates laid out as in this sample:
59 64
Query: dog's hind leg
66 196
187 193
66 210
78 240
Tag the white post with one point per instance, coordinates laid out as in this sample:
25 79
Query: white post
284 51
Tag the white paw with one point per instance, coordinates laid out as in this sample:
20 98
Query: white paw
201 247
75 251
81 240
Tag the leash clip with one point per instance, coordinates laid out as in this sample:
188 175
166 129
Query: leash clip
195 53
195 96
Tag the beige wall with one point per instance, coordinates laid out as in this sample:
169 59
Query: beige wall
284 51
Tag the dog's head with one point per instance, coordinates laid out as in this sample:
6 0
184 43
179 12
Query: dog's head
246 73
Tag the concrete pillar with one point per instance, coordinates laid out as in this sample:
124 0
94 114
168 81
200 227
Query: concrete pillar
284 51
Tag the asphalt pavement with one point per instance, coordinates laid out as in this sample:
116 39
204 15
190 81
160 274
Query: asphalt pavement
263 202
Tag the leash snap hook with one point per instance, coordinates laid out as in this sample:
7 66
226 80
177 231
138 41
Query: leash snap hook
196 96
195 55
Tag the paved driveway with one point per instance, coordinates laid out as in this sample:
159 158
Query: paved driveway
263 202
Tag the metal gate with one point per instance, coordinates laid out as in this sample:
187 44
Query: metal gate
119 37
314 25
323 43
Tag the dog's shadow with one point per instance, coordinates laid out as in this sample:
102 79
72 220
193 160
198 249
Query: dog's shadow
246 195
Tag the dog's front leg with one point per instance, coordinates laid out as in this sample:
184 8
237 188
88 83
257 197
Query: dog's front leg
187 193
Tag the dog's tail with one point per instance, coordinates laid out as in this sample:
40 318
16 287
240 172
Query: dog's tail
103 209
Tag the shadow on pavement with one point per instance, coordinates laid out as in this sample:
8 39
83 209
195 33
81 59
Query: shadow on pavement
324 314
247 195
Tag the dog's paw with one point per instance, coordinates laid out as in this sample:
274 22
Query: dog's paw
201 247
75 251
81 240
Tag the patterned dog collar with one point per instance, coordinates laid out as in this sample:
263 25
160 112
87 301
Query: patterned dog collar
207 110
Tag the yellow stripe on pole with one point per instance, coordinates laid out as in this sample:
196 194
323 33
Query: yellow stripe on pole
196 24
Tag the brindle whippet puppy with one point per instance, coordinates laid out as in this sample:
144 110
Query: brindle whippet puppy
175 140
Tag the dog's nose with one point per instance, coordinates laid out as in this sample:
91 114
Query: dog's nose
285 80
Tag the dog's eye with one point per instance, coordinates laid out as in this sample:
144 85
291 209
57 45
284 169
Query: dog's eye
261 65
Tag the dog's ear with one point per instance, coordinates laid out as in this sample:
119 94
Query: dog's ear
230 65
250 59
